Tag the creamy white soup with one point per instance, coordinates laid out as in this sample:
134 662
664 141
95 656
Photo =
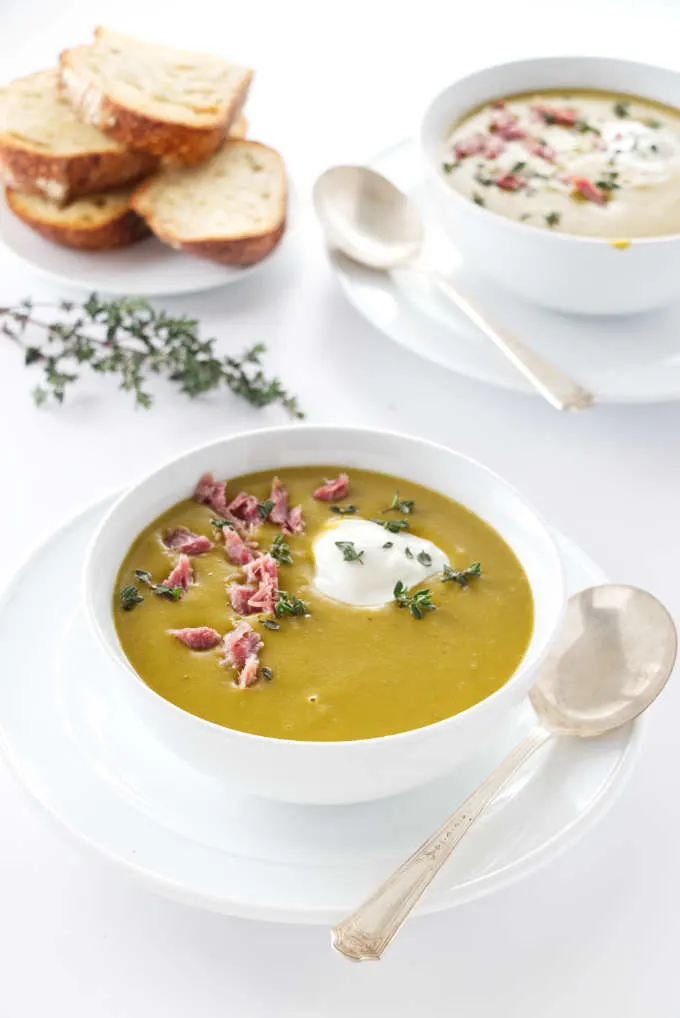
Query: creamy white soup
595 164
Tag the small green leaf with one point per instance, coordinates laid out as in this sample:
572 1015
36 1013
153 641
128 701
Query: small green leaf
349 552
130 597
265 508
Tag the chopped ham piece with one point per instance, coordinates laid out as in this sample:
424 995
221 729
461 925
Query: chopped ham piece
494 147
470 146
241 649
213 493
250 672
589 190
540 148
244 507
564 117
240 595
294 524
236 548
498 104
505 125
333 491
265 573
290 520
182 574
510 182
181 539
279 497
199 638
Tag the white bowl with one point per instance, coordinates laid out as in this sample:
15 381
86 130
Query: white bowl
570 273
328 772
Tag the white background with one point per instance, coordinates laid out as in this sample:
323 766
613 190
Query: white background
596 933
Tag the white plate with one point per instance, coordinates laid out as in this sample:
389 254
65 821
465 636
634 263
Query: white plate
72 740
142 270
631 359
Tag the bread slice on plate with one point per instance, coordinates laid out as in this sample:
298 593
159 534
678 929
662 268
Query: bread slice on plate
155 99
230 209
45 148
96 223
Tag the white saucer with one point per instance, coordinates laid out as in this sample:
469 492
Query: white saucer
71 739
142 270
631 359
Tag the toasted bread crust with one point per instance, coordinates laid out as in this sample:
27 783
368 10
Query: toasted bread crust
121 231
185 144
239 251
63 178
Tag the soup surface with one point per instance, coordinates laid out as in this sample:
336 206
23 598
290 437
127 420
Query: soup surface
344 668
590 163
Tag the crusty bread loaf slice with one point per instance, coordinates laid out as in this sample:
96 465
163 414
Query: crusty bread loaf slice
96 223
45 148
230 209
155 99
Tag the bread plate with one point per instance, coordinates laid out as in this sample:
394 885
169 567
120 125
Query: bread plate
149 268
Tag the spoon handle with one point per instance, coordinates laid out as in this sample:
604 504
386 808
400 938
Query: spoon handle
365 934
559 389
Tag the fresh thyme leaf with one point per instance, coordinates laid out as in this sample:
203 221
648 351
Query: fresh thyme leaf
652 122
220 523
518 167
417 603
346 510
267 672
280 551
450 167
582 126
461 576
264 508
130 597
349 552
388 544
407 552
608 183
394 526
130 339
622 109
553 218
425 559
270 624
158 588
287 605
477 198
401 505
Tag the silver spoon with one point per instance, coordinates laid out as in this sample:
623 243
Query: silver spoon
374 223
612 657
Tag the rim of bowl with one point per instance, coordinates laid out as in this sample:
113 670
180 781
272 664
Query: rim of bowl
555 235
119 657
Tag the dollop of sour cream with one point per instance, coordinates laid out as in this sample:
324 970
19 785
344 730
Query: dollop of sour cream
385 559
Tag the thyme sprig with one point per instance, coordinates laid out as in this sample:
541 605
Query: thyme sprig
393 526
400 505
349 552
280 551
130 339
130 597
174 593
287 605
417 603
461 576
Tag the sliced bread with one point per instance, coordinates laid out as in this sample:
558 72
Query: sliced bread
45 148
154 99
96 223
230 209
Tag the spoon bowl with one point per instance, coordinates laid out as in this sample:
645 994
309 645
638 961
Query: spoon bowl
367 218
611 659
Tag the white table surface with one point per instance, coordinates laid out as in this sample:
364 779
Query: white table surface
597 932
